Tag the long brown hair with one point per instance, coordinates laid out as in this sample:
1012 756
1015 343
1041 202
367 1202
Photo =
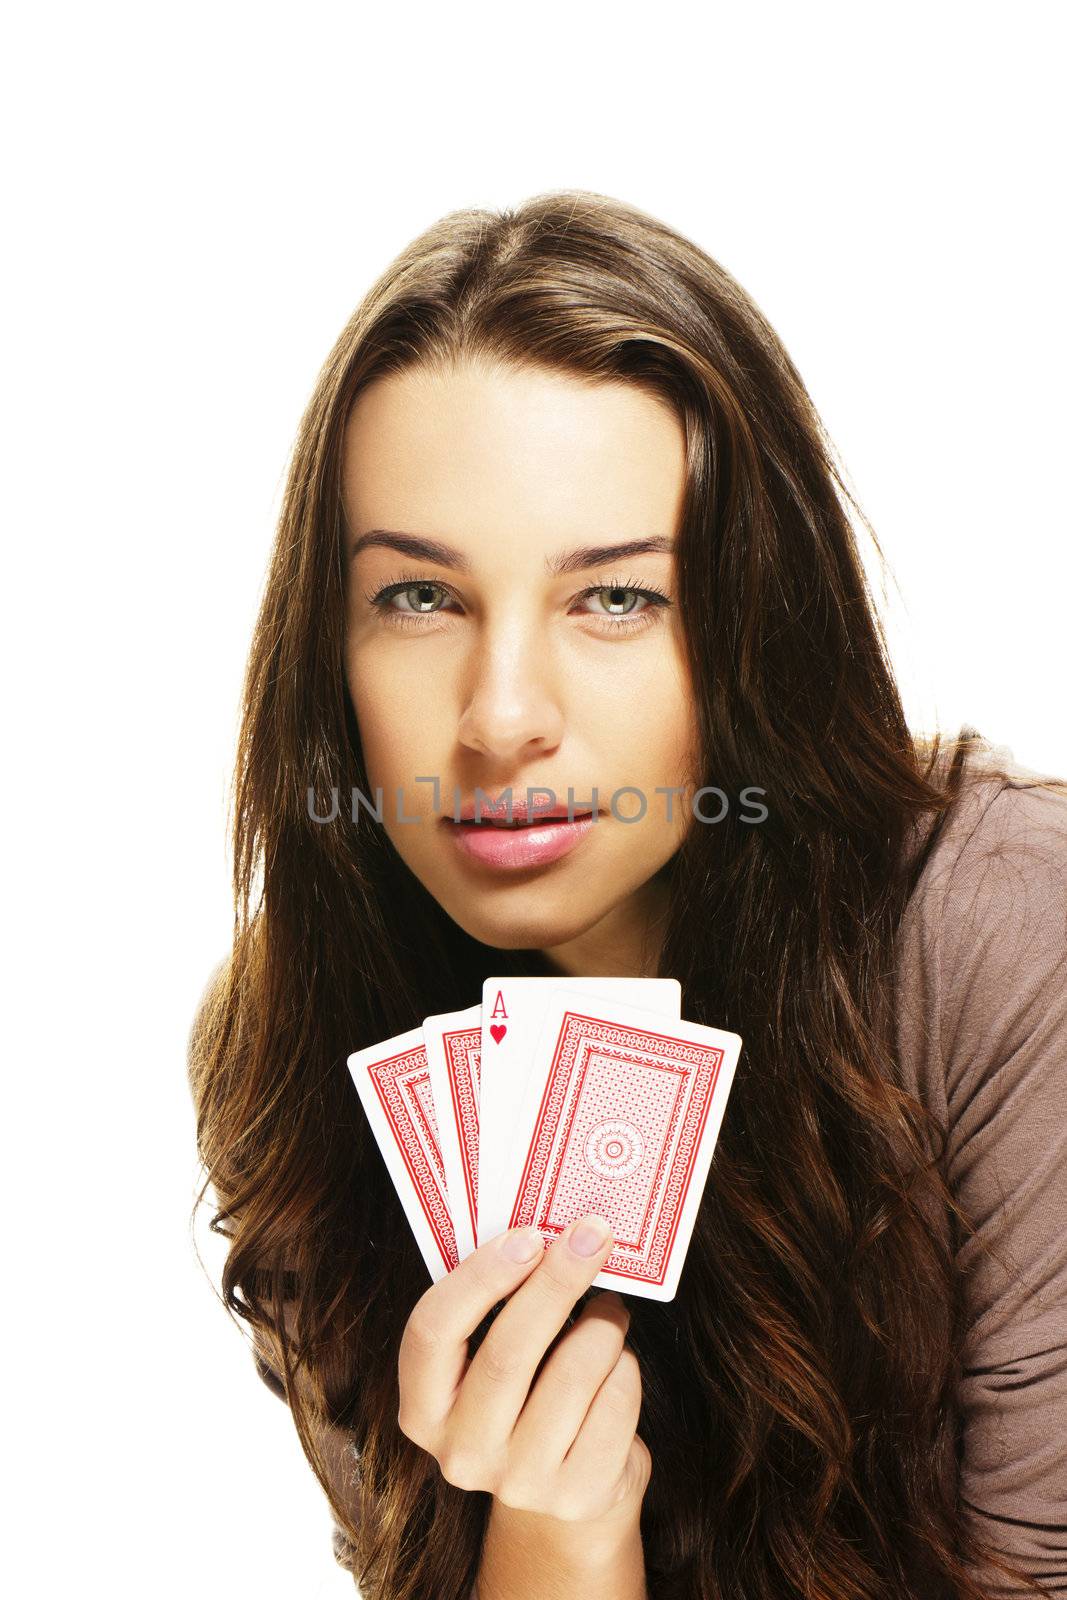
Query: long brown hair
797 1390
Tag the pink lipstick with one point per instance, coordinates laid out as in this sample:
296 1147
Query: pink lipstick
495 843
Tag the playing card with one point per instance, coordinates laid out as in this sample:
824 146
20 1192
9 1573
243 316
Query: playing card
453 1049
513 1011
393 1081
620 1116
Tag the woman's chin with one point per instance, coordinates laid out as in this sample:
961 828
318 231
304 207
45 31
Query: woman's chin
517 931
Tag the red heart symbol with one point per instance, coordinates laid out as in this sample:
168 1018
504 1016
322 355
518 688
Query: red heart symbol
498 1030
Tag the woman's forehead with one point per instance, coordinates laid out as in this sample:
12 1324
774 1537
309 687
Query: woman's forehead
466 453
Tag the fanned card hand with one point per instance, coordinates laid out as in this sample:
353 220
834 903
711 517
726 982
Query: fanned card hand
555 1097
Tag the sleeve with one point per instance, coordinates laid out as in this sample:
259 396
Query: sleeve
1003 1038
343 1460
338 1450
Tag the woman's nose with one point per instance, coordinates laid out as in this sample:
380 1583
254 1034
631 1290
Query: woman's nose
511 702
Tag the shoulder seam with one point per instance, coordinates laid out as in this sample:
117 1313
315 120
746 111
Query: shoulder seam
946 888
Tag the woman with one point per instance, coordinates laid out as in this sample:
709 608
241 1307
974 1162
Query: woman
561 513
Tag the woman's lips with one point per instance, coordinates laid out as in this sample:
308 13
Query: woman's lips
528 846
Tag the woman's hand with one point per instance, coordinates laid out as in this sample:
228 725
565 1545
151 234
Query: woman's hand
567 1448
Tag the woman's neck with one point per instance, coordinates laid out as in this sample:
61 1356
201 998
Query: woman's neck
626 943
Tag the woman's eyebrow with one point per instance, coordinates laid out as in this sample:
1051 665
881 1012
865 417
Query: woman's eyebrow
446 555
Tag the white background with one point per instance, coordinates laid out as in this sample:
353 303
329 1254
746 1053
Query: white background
196 198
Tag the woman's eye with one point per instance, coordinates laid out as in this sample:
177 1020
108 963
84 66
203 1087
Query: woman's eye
422 603
625 607
620 603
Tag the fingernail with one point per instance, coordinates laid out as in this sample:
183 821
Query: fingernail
589 1236
522 1245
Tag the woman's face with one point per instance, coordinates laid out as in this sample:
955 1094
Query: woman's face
520 651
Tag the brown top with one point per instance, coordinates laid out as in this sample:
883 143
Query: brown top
982 1027
982 1032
